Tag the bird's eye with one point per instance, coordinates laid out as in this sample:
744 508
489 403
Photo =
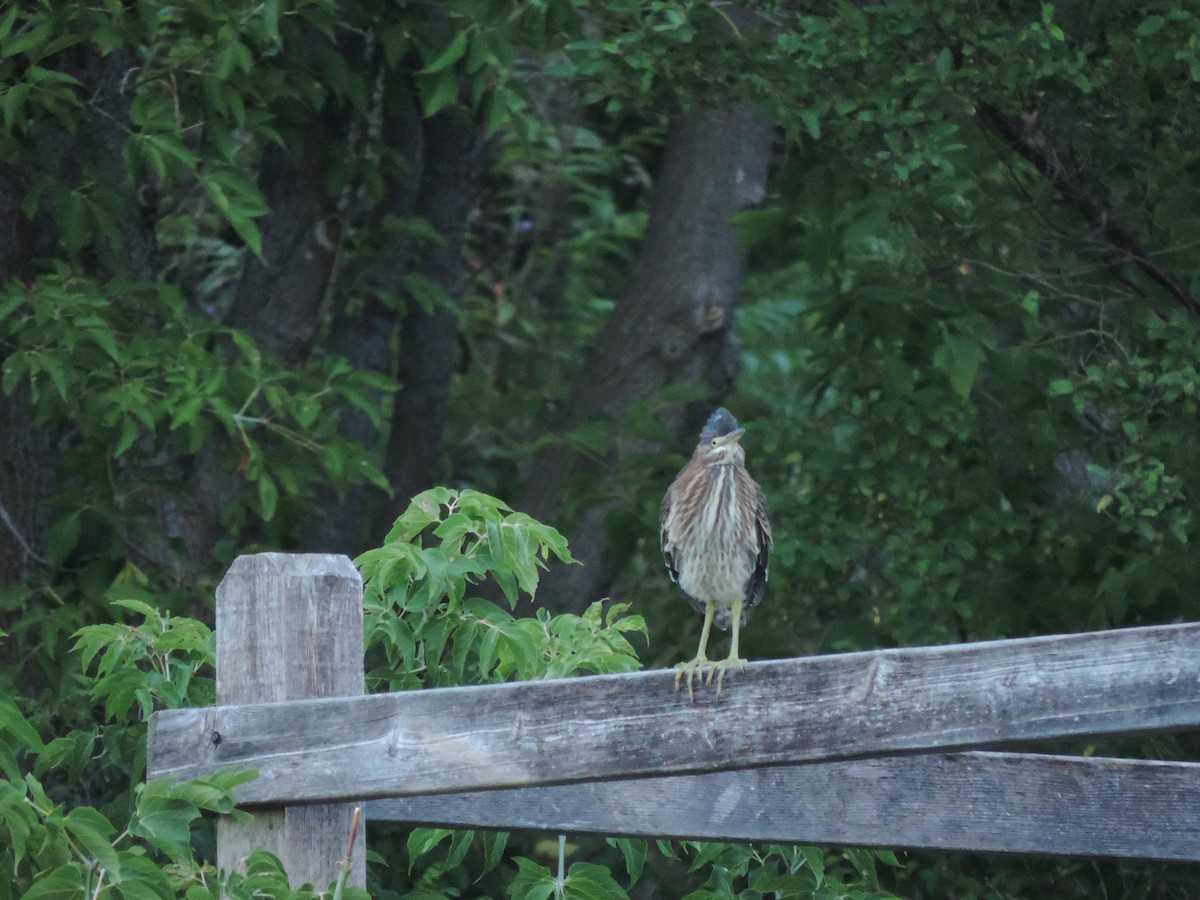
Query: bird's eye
714 442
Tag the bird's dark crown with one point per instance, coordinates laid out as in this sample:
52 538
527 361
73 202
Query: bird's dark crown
719 423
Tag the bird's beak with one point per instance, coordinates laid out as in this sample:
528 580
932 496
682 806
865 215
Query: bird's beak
732 438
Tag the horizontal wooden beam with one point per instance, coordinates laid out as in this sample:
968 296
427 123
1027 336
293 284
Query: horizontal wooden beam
620 726
978 802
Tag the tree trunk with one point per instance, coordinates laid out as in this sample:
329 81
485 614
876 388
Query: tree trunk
27 450
443 157
674 321
27 480
429 337
280 303
364 331
282 297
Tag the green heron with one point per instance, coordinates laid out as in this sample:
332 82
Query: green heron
716 538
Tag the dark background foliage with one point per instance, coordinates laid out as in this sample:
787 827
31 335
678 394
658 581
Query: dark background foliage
268 270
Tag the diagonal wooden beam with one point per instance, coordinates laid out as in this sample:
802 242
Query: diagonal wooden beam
620 726
977 802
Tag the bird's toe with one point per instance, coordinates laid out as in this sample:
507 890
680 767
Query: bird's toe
719 670
690 670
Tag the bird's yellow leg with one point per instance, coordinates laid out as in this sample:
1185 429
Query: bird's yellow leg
701 661
732 659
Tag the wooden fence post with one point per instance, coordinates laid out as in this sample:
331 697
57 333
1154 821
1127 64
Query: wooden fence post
290 627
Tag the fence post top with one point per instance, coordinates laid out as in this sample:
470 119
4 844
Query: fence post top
293 564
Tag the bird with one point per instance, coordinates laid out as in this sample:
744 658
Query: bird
716 540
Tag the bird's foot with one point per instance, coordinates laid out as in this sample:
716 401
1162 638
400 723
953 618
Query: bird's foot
699 665
719 670
707 670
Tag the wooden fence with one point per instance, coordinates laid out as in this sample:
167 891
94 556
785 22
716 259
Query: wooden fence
857 749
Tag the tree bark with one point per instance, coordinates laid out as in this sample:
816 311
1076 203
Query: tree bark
27 450
110 125
21 241
27 480
280 302
364 332
429 337
443 157
282 297
674 321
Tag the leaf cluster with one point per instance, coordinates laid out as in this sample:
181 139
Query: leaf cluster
138 843
93 356
422 616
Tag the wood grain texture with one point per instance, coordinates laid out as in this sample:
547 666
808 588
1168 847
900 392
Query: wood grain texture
290 627
981 802
851 705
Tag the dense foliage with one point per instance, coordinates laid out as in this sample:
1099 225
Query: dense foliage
968 356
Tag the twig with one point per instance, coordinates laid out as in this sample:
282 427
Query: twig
559 882
16 533
1076 191
344 868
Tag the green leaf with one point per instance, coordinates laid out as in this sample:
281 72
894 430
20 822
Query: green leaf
814 858
812 121
53 366
864 863
271 10
22 41
14 101
450 54
94 832
588 881
460 843
533 881
422 840
16 725
888 857
496 112
145 880
944 64
162 820
103 338
204 794
1152 24
494 843
959 357
1060 386
395 40
141 607
238 211
63 537
187 412
172 146
16 815
438 92
129 434
634 850
427 292
6 24
268 497
62 883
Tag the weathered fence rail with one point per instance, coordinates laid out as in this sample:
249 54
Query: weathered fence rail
977 801
801 750
620 726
